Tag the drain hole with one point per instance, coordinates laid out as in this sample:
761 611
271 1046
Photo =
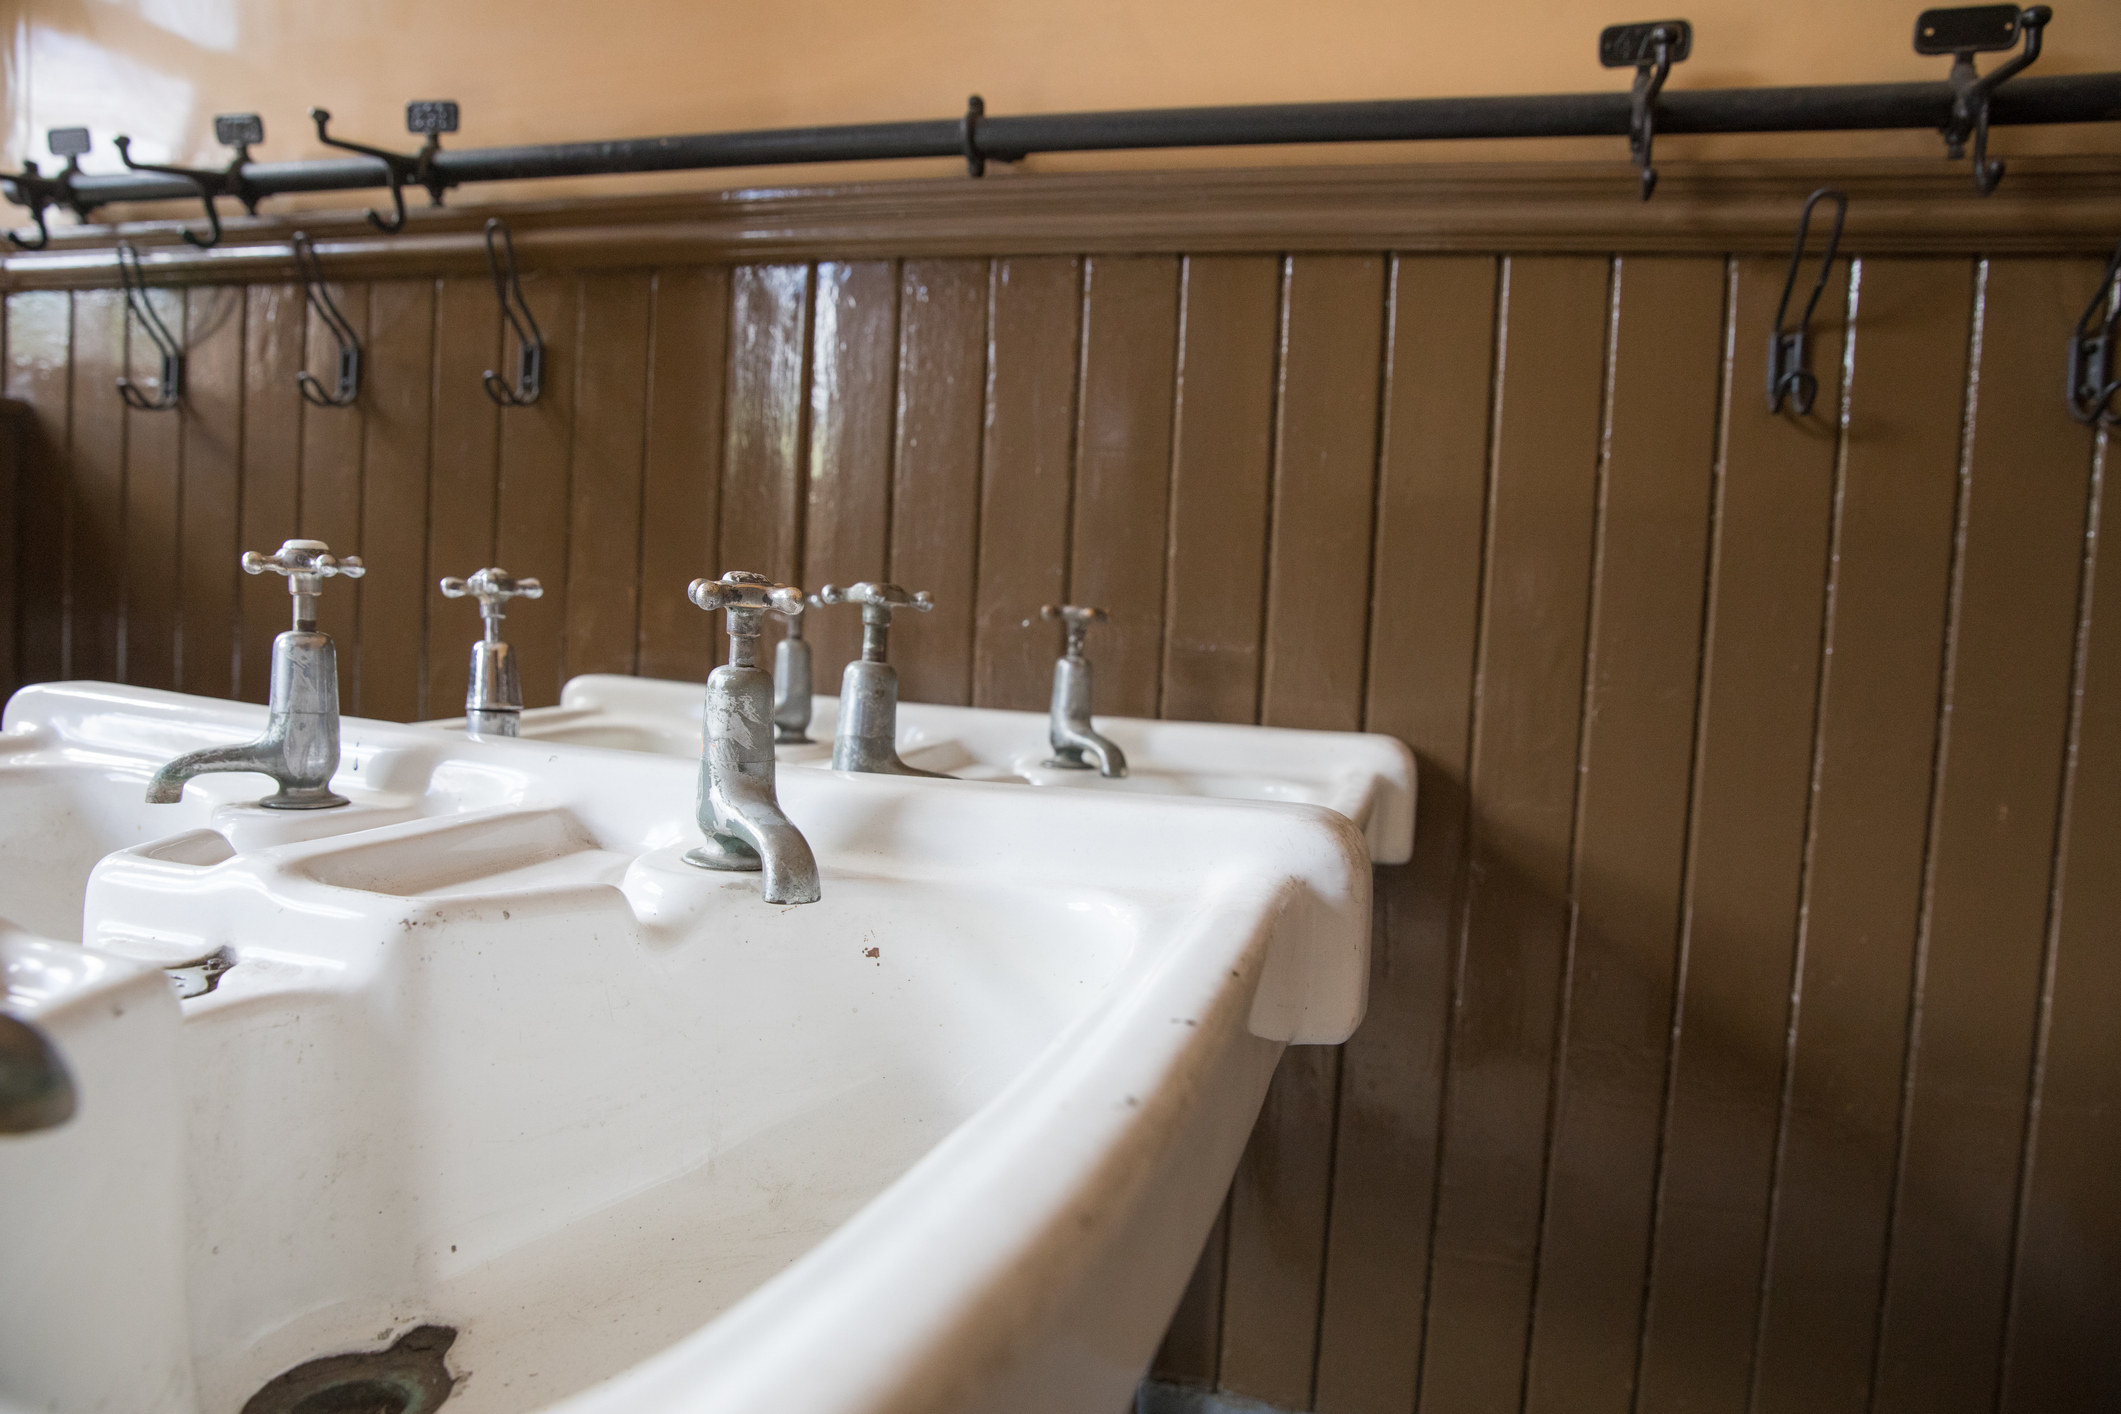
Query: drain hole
408 1378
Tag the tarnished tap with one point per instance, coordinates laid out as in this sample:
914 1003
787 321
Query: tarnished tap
300 748
791 682
867 738
738 809
493 705
1070 731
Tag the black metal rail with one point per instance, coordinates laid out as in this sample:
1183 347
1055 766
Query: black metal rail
2075 98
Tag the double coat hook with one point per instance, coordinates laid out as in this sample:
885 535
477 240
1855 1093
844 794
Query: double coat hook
530 340
33 189
1962 33
432 117
232 130
1650 48
342 333
1789 369
171 385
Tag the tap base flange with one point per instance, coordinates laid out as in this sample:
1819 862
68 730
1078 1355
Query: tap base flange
789 736
304 798
730 855
1069 763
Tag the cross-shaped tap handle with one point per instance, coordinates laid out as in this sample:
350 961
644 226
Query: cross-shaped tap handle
1075 621
747 597
307 564
885 599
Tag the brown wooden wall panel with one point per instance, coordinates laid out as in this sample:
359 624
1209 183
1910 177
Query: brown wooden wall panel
1741 1033
1424 616
212 495
532 508
95 542
273 336
681 481
1026 468
936 472
1221 467
762 465
1999 775
154 471
1873 764
1123 470
40 387
463 473
1630 850
604 537
2066 1274
1523 779
396 394
854 371
1752 779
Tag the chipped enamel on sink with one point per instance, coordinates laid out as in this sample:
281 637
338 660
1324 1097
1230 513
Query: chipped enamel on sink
1366 776
947 1140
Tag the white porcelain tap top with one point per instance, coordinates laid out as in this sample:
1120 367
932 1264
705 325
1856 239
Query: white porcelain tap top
490 1059
1367 776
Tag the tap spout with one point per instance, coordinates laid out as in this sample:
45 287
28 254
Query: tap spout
300 748
1072 737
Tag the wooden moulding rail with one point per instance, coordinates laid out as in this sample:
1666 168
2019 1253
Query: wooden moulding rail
2046 206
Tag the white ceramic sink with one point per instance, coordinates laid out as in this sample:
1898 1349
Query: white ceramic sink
1366 776
947 1140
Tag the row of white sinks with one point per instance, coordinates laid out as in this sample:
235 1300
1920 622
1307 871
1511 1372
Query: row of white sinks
478 1051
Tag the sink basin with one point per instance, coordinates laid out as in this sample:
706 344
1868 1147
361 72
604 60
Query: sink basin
1365 776
503 1076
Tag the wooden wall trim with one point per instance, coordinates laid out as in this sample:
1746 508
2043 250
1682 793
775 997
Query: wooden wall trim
2053 206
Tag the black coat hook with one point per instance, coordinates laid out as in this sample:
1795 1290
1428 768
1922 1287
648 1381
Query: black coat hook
1789 371
2091 385
433 118
31 188
1651 48
234 130
327 309
142 309
968 132
1963 33
530 340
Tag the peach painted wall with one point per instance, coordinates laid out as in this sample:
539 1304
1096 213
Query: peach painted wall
548 70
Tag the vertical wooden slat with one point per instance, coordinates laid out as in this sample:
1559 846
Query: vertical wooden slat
1870 810
935 483
1637 767
1752 780
273 335
1528 697
40 384
212 491
463 485
531 511
396 394
1033 355
1318 594
1228 346
762 466
681 475
1123 470
604 544
854 365
2000 775
330 508
2061 1353
95 552
154 472
1424 614
1191 1352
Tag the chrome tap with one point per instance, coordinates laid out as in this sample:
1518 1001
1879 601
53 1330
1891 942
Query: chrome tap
300 748
493 705
791 682
738 808
1070 731
867 738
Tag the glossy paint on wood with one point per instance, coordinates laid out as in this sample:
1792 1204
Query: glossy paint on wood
1740 1036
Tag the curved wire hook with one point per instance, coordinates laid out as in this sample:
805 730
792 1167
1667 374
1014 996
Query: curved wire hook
342 332
1789 373
28 189
143 310
206 195
530 340
2091 345
390 160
